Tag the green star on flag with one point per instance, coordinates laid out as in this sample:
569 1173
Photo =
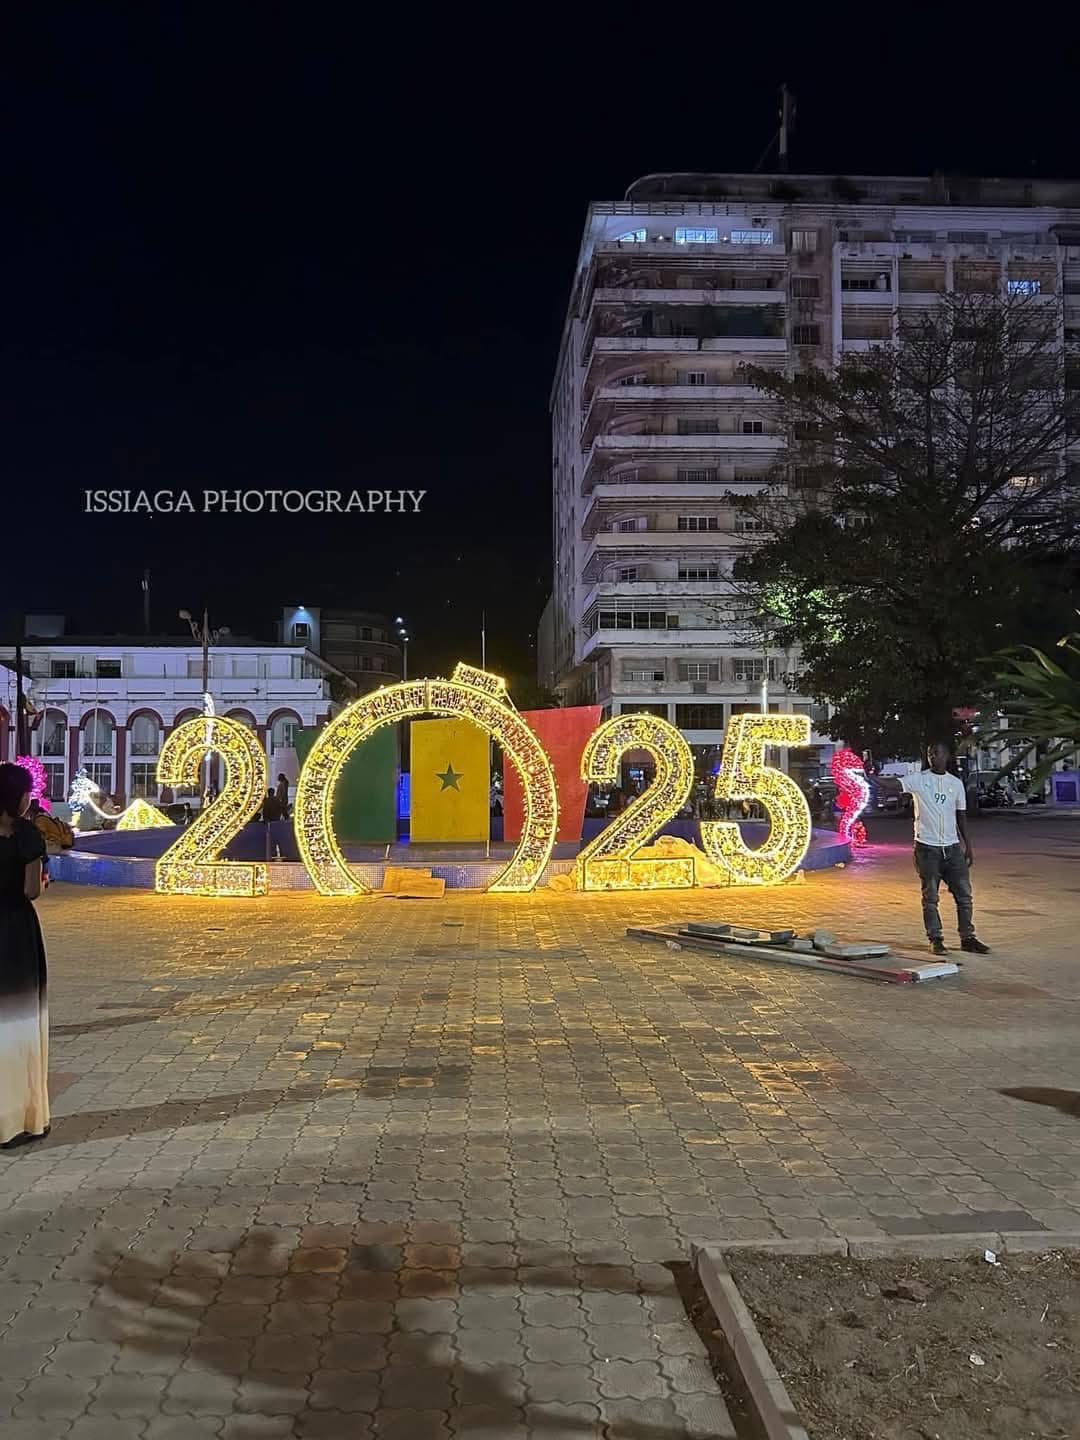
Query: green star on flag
450 777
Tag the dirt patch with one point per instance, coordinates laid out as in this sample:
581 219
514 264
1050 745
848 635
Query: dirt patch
906 1349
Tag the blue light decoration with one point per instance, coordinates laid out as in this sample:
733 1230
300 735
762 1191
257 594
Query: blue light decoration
403 795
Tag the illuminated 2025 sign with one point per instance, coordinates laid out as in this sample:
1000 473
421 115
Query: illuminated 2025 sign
608 862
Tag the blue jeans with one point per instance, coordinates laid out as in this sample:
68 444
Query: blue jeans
935 863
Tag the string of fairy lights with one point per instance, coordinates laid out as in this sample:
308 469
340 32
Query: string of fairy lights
611 861
471 694
744 775
607 862
191 866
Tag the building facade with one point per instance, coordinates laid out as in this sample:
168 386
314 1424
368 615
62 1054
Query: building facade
107 705
360 643
655 433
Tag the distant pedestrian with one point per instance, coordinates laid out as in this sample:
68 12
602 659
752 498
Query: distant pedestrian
271 810
282 793
24 1017
943 847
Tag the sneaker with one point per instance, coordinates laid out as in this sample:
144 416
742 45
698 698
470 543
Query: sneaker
975 945
937 945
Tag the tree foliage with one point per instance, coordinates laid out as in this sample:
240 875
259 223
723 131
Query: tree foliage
1041 703
923 499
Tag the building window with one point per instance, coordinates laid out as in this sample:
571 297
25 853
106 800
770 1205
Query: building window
699 670
639 377
283 733
806 240
694 377
98 734
696 235
697 477
365 632
301 631
752 237
54 782
107 669
631 523
806 334
53 733
698 425
699 572
628 573
637 620
699 717
747 523
635 707
751 668
699 522
645 676
62 669
144 779
632 237
365 663
1024 287
145 736
100 772
753 427
805 287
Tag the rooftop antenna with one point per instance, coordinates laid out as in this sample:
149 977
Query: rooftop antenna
782 135
787 124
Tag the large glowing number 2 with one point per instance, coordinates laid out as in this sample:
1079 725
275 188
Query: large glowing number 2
743 775
190 866
607 862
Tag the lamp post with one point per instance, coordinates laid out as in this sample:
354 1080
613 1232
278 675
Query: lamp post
205 635
403 636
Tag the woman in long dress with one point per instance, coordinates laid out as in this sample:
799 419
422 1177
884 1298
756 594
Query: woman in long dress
24 1016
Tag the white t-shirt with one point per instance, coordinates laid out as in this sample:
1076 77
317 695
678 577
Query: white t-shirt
937 799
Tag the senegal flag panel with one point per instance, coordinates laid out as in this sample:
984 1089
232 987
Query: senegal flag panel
450 781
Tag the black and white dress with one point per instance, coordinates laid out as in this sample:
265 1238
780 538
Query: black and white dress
24 1015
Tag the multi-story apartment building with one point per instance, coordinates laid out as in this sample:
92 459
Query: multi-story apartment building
106 705
655 430
361 643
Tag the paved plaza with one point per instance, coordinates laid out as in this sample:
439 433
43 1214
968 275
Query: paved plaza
340 1168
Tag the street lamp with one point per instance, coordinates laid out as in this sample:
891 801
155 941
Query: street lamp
403 636
204 635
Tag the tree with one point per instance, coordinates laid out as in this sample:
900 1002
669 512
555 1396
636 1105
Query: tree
1041 703
923 495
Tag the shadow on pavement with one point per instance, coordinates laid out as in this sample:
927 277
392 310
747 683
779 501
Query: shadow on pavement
1067 1101
350 1328
171 1114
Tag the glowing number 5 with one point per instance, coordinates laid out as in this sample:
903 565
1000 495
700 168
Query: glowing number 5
190 866
607 862
744 775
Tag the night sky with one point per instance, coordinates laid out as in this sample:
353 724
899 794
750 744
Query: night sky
310 246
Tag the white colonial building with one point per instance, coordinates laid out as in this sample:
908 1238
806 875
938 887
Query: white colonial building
106 705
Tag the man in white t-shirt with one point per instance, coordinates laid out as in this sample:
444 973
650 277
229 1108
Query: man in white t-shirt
943 848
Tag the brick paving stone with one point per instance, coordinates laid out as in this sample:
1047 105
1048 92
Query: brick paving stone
565 1383
346 1390
411 1425
99 1427
472 1184
59 1396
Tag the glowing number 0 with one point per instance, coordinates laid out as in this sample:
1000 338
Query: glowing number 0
743 775
607 862
473 694
190 866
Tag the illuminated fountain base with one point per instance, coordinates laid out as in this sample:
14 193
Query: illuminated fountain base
127 858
